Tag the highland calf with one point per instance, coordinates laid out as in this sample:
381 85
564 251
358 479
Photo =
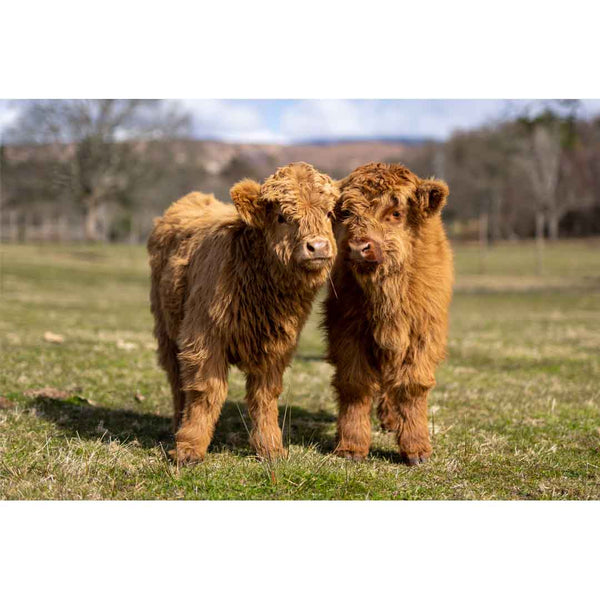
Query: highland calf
235 285
386 311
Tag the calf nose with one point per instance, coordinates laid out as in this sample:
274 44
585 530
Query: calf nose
365 250
318 248
360 247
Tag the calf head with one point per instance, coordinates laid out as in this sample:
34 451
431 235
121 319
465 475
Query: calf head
294 209
380 211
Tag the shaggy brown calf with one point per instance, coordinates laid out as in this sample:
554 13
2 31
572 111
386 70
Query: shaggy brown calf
387 309
234 285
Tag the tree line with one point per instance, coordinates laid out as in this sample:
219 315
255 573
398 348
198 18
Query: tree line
531 176
102 169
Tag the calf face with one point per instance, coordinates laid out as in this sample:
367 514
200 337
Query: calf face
379 213
294 209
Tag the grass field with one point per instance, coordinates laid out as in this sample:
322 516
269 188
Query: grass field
515 414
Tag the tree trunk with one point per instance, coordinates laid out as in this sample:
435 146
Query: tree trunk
540 224
483 240
553 222
133 230
62 228
13 228
92 217
496 229
28 228
46 231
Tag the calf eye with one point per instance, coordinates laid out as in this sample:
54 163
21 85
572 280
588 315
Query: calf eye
396 214
281 218
345 214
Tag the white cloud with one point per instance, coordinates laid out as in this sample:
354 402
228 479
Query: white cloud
374 119
323 119
251 121
8 115
438 119
230 121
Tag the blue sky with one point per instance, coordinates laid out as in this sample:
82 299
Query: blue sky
286 121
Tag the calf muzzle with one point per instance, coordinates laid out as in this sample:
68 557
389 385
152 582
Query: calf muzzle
315 252
365 251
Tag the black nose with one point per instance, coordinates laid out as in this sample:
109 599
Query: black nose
318 248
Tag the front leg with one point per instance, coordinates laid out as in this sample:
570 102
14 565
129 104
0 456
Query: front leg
262 393
412 432
354 419
355 383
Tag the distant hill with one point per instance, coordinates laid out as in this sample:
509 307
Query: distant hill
407 141
335 157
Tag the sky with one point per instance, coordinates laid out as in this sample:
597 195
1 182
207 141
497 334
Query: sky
289 121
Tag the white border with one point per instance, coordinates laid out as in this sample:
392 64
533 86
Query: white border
299 549
313 49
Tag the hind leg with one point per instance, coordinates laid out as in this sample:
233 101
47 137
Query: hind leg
205 386
167 358
171 366
387 415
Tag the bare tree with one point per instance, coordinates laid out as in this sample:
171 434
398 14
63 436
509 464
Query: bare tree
101 143
479 166
549 141
547 138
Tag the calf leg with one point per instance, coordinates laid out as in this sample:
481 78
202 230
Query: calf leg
355 384
167 357
262 392
410 402
387 415
204 397
354 419
171 365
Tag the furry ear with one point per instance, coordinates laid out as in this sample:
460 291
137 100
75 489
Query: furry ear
334 186
332 190
246 197
431 196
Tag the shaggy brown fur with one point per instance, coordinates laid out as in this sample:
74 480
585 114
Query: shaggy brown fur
234 285
387 309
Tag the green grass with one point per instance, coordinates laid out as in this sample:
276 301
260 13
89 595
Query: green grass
515 414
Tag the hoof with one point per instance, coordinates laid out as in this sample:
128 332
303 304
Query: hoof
186 456
389 426
413 460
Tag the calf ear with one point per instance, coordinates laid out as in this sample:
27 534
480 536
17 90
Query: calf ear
431 196
332 191
246 197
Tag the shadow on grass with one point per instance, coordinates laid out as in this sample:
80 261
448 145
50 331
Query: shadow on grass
96 422
391 456
301 427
